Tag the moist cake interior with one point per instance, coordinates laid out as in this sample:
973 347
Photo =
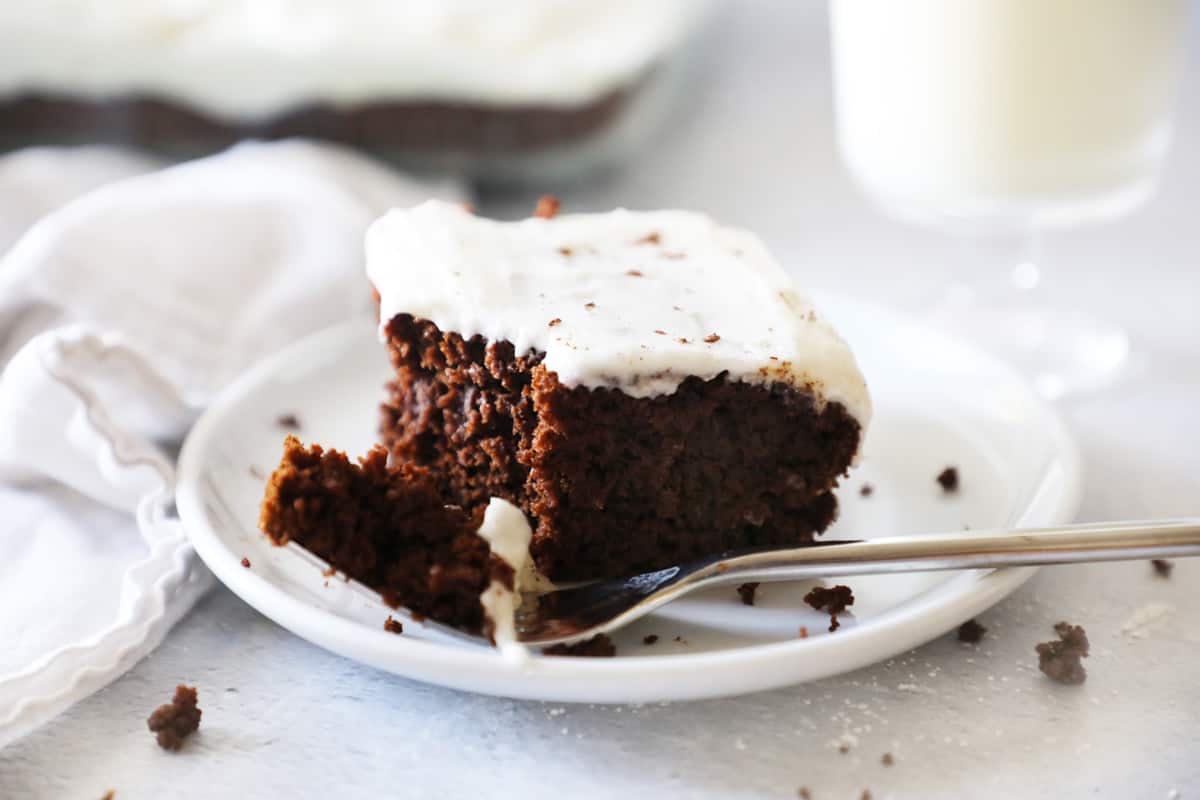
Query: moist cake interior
386 527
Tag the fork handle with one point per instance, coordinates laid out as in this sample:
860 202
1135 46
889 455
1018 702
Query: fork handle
1066 544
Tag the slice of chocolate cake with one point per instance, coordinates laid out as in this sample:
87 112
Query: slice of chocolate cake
388 528
648 387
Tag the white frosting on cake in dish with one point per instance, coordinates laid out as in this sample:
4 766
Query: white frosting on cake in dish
507 532
251 58
636 301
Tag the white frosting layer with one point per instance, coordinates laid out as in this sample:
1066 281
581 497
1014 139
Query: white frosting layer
249 58
507 532
708 299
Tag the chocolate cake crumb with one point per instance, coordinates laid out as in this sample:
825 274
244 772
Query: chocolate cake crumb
887 760
660 333
867 490
1162 567
948 479
866 795
970 632
633 273
289 422
566 251
833 601
803 631
392 625
554 322
683 341
803 793
712 337
843 748
650 238
650 639
547 207
245 562
599 646
747 591
681 640
589 305
109 795
175 721
1060 660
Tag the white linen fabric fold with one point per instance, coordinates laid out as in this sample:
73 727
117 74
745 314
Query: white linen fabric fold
135 296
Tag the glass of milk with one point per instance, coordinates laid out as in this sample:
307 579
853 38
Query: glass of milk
1005 118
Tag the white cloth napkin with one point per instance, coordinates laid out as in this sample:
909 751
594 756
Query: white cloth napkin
138 295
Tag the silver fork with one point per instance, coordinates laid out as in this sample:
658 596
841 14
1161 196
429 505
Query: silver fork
574 614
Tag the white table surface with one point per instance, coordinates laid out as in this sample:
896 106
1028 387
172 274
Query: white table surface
283 718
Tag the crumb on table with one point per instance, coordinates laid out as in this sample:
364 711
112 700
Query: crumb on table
245 562
175 721
867 490
650 639
1162 567
392 625
948 479
1060 660
971 632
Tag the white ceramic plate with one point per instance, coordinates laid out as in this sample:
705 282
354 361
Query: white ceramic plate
938 403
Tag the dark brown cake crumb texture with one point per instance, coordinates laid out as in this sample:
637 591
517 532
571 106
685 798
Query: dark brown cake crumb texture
109 795
803 793
598 646
867 490
590 467
833 601
747 591
948 479
866 795
1162 567
1060 660
711 338
245 562
971 632
289 422
887 760
385 526
547 206
650 238
175 721
650 639
392 625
